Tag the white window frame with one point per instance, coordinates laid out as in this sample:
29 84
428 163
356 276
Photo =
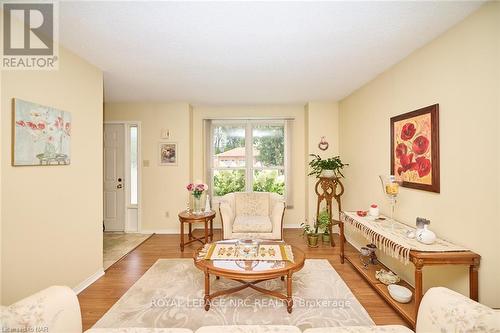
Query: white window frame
249 168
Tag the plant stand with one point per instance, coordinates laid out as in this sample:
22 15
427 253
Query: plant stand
328 189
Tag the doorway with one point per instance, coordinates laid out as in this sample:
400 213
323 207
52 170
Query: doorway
122 177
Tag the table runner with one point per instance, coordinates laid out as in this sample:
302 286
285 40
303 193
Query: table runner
392 240
233 251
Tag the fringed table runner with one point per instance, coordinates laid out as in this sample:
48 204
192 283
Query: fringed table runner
228 251
391 239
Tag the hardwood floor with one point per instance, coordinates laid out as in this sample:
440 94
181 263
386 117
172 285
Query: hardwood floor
96 300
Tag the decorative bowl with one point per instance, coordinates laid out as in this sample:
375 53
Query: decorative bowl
386 277
400 293
248 247
365 251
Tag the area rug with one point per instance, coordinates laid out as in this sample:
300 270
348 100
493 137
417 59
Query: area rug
118 244
170 294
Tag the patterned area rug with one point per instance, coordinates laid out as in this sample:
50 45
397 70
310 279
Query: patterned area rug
118 244
170 294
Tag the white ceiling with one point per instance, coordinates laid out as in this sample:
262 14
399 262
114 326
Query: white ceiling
248 52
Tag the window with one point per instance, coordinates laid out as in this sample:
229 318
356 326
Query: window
133 164
248 156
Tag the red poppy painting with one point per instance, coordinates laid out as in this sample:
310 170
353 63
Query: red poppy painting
415 148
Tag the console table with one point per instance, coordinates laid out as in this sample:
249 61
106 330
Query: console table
419 259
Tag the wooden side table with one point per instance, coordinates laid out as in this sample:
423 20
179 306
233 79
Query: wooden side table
190 218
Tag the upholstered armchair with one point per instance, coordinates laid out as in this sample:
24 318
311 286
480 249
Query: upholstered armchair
252 215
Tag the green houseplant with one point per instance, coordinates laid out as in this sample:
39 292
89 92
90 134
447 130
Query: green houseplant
312 234
323 223
330 167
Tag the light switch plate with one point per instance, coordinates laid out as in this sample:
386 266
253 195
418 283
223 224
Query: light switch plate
145 163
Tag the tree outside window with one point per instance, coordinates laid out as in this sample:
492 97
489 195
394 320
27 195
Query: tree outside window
237 167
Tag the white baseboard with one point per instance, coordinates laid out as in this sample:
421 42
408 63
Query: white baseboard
88 281
174 231
168 231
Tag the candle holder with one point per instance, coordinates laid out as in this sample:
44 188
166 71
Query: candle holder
390 187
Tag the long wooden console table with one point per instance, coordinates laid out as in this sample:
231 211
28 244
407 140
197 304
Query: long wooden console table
419 259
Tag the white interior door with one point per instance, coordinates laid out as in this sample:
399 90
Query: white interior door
114 172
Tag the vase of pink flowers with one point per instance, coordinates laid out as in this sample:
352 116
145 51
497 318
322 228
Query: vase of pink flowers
196 190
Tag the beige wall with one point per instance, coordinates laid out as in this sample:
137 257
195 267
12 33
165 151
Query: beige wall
163 194
163 188
461 71
52 216
322 120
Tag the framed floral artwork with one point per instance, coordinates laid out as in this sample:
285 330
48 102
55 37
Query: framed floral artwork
415 148
167 153
41 134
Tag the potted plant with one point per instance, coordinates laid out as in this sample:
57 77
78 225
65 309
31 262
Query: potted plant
323 223
312 234
330 167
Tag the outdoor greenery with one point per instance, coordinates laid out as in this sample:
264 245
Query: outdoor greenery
228 181
318 164
228 137
268 181
270 142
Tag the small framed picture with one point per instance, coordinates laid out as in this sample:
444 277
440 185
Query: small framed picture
167 153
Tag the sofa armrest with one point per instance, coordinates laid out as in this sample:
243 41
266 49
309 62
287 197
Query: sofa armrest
443 310
53 310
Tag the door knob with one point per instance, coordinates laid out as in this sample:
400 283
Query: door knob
119 186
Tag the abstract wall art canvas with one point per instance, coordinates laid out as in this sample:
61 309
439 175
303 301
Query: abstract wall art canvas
42 135
415 148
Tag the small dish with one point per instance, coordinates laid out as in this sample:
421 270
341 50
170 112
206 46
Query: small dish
362 213
399 293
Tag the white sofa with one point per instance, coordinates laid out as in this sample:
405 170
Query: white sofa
56 310
252 215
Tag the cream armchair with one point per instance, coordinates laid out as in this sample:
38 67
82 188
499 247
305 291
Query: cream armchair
252 215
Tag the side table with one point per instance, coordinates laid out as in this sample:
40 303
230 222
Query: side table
190 218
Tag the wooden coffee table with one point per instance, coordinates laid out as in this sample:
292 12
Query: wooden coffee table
251 272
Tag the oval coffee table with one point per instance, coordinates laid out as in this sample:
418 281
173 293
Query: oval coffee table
251 272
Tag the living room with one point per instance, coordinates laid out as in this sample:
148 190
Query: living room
235 111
